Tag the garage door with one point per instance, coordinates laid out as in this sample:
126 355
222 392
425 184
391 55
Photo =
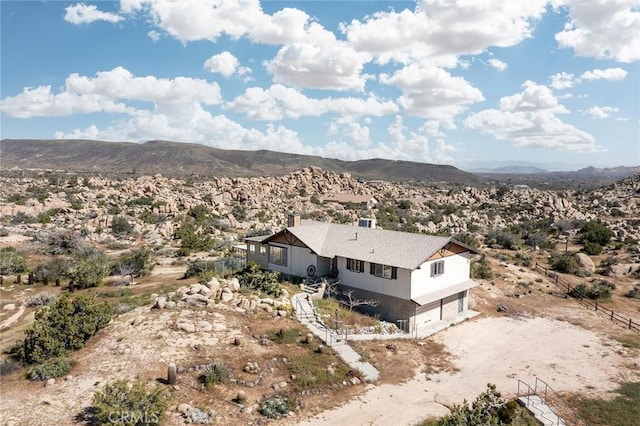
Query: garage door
428 313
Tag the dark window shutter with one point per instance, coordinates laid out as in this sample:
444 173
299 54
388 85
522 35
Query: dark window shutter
372 268
433 269
361 266
394 273
442 268
348 263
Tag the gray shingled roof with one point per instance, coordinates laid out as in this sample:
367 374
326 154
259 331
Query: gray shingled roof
401 249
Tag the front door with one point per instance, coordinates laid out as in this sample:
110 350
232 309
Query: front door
461 301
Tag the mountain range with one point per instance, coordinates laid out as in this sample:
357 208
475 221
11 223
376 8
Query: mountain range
175 158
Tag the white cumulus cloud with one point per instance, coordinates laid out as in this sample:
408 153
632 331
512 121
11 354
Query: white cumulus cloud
498 64
611 74
81 13
529 119
432 92
603 29
562 80
600 112
227 64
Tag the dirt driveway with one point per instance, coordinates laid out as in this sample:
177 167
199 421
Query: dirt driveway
494 350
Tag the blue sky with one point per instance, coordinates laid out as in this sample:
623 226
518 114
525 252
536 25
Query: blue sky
462 82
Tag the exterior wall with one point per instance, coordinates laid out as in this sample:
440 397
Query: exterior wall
450 306
399 287
298 260
426 314
262 260
457 269
390 309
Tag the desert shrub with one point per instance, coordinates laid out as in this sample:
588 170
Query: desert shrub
4 232
404 204
592 248
42 299
616 212
140 201
191 239
88 267
482 269
199 213
466 238
11 262
565 263
276 406
198 267
309 371
489 408
121 404
120 225
539 239
50 369
253 279
52 269
61 327
134 263
597 291
9 365
214 374
63 242
634 293
502 239
595 232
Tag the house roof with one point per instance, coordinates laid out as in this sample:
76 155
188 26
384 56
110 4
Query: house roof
401 249
348 198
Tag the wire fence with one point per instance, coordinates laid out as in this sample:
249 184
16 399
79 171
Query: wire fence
567 288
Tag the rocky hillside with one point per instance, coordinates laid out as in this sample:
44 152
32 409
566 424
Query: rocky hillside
155 205
171 158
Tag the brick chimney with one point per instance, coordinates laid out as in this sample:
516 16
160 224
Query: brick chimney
293 219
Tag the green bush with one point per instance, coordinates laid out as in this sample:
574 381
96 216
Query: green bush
63 242
120 404
50 369
134 263
61 327
88 267
595 232
565 263
199 267
214 374
466 238
120 225
253 279
276 406
482 269
191 238
489 408
11 262
502 239
52 269
593 249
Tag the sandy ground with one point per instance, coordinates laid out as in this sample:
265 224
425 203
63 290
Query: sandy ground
492 350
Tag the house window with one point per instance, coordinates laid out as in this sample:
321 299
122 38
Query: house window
384 271
278 255
437 268
355 265
263 250
252 248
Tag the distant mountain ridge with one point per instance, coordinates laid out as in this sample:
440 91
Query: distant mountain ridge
187 158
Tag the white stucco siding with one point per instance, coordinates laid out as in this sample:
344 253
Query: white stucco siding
456 270
399 287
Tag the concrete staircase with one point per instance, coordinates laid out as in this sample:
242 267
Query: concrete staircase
542 412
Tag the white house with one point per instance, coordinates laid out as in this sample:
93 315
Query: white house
416 278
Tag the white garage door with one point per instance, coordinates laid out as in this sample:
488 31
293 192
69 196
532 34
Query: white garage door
428 313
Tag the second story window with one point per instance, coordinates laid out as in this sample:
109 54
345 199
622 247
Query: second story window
384 271
437 268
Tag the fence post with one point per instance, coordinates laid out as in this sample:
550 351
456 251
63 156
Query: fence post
630 322
612 315
597 306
